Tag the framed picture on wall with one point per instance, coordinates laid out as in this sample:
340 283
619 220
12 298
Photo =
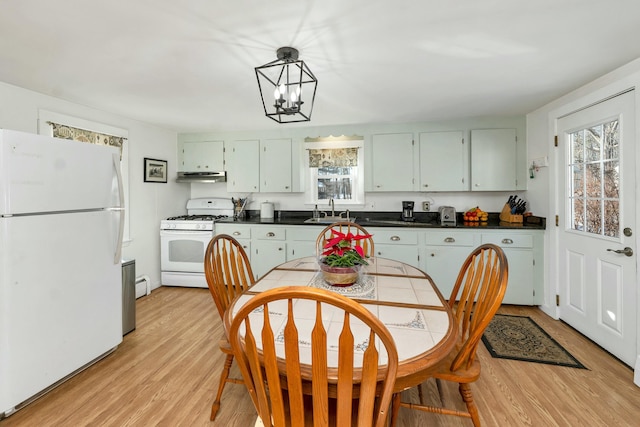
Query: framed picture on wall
155 170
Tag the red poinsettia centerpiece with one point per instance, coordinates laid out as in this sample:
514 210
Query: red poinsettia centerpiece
343 251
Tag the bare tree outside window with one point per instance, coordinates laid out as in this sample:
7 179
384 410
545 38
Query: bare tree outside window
594 169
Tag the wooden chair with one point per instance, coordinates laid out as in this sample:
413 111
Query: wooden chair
480 288
272 373
228 273
345 227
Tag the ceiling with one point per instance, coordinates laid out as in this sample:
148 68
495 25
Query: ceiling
188 65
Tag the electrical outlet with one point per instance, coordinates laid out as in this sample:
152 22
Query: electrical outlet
426 206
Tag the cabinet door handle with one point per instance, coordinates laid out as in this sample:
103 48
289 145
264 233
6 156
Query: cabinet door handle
395 238
426 185
271 234
449 240
236 233
279 249
507 241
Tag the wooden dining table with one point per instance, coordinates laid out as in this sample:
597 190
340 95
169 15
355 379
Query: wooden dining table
403 297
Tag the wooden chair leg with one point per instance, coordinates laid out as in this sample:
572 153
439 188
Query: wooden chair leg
421 394
223 380
395 408
440 392
465 392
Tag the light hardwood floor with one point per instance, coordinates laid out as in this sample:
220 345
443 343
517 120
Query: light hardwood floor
165 373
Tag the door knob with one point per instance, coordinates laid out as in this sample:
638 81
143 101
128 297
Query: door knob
627 251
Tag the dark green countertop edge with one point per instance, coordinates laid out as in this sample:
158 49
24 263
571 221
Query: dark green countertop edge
423 221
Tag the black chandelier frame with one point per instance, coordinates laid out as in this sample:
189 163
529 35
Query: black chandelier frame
284 84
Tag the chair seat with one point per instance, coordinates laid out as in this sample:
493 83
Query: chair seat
225 347
442 370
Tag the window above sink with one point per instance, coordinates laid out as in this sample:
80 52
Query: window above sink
335 170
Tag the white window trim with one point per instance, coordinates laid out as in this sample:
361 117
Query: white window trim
358 184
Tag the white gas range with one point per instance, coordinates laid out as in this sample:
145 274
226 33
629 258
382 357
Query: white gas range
184 240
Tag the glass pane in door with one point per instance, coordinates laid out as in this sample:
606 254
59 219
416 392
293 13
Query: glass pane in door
594 170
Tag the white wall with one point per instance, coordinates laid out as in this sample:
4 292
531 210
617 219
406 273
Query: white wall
387 202
149 202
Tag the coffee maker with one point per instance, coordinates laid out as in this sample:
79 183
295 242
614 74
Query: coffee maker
407 211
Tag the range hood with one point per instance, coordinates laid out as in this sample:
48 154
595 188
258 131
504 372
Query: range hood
202 177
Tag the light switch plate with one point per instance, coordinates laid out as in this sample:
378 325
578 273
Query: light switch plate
540 162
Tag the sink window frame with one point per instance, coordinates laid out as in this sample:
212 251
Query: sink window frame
353 176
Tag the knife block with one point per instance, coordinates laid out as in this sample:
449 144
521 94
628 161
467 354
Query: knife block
507 216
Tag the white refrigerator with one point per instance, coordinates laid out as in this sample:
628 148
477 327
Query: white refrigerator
61 219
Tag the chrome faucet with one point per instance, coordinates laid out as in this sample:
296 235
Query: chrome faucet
331 203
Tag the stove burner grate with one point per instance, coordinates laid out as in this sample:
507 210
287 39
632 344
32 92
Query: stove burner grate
196 217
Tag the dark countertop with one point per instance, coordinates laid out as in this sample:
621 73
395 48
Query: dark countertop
423 220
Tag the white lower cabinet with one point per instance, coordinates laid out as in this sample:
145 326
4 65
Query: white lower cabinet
525 277
268 247
246 245
266 255
444 253
398 244
301 241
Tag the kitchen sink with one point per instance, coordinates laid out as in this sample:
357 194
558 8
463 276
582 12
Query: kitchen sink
328 220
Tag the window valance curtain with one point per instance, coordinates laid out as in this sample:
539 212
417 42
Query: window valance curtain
333 157
84 135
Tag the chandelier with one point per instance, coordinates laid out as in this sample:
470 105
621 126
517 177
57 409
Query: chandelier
284 85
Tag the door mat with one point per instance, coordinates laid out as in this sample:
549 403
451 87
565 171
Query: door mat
520 338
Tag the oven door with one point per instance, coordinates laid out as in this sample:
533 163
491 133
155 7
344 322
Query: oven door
182 250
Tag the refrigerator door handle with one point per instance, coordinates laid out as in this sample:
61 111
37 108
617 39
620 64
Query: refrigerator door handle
117 258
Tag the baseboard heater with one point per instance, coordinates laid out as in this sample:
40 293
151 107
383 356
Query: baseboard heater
145 289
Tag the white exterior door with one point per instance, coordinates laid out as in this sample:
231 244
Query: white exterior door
596 238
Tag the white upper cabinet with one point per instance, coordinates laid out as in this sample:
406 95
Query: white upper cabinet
494 160
202 156
243 168
393 156
259 166
275 166
444 161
